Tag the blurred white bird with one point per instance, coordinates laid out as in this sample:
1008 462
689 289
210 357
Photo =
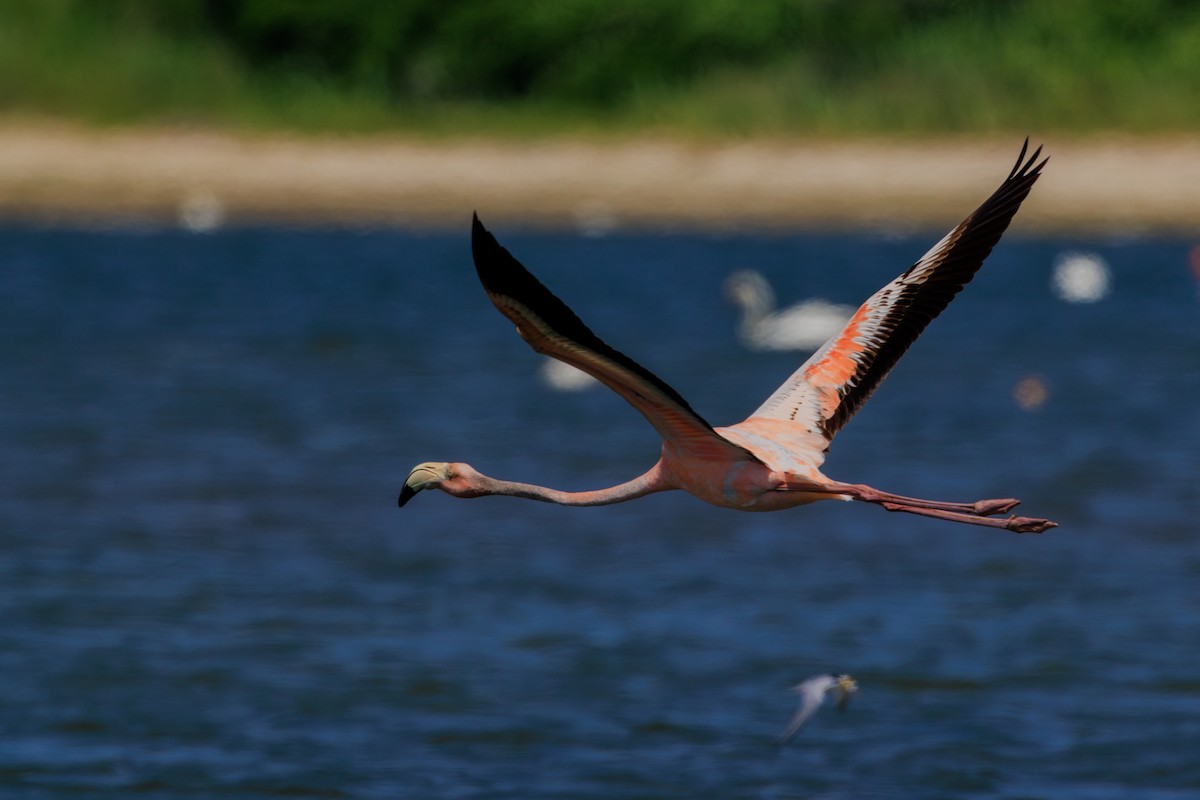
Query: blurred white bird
562 377
804 326
1080 277
201 211
812 693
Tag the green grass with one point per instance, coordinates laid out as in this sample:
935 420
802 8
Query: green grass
54 62
1065 66
962 75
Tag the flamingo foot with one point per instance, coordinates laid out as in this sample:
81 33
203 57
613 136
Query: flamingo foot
1029 524
987 508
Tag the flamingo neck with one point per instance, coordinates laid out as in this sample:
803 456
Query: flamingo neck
648 483
756 305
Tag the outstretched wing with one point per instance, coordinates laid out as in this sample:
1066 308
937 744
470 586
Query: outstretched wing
551 328
834 383
812 695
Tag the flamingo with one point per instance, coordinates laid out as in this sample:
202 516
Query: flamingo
771 460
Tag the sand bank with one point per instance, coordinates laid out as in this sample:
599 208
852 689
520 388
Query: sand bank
65 175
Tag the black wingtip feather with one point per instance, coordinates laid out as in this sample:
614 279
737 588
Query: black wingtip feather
1020 159
503 276
483 244
1025 166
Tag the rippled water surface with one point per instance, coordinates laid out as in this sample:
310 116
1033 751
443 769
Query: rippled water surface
206 589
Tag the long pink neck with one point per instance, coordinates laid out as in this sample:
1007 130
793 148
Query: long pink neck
652 481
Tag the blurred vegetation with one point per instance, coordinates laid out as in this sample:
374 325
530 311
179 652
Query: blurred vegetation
693 67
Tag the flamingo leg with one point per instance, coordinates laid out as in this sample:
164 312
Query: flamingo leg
1015 524
978 513
869 494
980 508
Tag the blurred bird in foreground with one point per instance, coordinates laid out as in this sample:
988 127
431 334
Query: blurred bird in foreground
812 693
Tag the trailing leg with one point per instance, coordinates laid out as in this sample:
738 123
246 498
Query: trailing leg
1013 523
980 508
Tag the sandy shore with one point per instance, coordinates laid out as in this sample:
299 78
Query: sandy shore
60 174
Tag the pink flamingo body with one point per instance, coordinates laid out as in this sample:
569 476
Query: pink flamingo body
771 460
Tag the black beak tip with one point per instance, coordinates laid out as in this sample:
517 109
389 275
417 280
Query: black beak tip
407 493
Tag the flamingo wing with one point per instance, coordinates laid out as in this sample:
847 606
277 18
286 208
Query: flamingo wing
551 328
836 380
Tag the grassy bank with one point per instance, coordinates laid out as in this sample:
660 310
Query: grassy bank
702 68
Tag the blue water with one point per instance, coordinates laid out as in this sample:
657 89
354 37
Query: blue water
206 589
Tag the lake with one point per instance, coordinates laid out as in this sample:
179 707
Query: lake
208 590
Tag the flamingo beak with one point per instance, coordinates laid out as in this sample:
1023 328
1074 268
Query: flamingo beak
422 477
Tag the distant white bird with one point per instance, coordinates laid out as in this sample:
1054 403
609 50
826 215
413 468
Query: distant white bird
812 693
804 326
562 377
1080 277
201 211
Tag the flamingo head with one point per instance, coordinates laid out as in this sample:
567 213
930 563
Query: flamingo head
746 287
750 292
459 480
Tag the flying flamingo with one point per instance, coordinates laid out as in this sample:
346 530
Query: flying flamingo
769 461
